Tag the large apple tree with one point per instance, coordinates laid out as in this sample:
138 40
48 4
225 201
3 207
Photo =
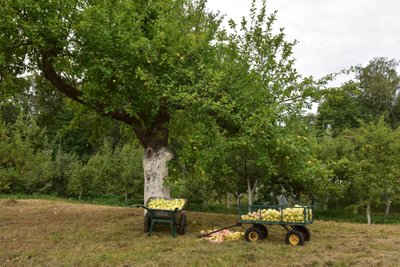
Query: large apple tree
134 61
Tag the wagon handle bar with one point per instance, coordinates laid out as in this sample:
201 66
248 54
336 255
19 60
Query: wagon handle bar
216 231
146 208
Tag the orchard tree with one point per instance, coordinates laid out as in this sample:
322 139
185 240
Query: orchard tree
332 152
248 156
261 89
373 164
134 61
265 89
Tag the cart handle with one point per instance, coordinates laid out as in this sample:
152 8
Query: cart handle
146 208
219 230
141 206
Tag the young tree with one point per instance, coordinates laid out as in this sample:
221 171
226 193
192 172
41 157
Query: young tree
265 90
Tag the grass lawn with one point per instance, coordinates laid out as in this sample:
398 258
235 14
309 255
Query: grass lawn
53 233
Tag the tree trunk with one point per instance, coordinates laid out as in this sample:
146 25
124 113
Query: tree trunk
155 170
228 201
80 194
251 190
326 201
388 202
368 212
205 204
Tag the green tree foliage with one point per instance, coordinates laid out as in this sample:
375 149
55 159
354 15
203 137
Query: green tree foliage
29 164
340 109
261 88
133 61
379 84
63 166
267 91
136 62
111 171
373 94
197 171
373 163
81 181
25 161
332 152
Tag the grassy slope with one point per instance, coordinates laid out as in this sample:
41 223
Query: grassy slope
54 232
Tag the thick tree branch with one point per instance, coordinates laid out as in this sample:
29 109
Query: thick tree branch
71 92
57 81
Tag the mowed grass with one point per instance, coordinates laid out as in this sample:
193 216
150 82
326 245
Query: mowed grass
53 233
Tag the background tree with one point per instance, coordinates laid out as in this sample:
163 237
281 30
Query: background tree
373 163
379 84
333 153
374 93
25 158
340 109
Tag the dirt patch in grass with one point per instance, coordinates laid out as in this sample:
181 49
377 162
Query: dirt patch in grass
43 232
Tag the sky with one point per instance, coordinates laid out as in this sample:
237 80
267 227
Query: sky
332 34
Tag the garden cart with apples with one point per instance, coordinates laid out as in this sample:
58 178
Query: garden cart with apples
294 218
174 216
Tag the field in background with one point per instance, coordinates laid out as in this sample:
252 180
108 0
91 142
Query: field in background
53 232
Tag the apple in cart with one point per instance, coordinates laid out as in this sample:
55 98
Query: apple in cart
166 204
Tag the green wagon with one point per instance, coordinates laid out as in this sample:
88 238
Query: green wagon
293 218
175 218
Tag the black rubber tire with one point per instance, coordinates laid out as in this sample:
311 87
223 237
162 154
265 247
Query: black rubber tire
253 234
304 231
182 224
147 223
263 229
294 237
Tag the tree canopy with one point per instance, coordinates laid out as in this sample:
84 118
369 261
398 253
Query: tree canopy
132 61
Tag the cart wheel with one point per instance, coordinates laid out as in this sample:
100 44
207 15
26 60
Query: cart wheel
263 229
253 234
147 222
294 237
182 224
304 231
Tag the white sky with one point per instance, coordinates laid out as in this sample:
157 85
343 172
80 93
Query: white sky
332 34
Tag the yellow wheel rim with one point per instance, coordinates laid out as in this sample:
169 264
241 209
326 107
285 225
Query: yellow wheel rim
253 236
294 239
